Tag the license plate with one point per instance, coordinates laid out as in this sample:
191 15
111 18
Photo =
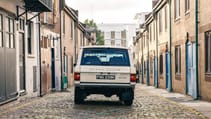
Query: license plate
109 77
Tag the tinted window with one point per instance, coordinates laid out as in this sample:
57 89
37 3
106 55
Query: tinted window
105 57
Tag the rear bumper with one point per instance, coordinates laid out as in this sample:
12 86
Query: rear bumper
104 85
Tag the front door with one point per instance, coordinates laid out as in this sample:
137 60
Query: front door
53 68
168 82
191 69
22 62
155 72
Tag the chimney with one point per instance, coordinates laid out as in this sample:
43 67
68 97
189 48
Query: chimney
154 2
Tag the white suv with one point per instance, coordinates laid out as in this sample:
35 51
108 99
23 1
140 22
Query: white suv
105 70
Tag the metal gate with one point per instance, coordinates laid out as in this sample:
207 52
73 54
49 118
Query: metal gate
155 72
191 69
168 82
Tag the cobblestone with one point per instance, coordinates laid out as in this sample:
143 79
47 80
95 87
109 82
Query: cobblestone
60 105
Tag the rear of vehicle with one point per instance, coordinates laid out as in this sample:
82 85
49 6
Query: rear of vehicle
107 71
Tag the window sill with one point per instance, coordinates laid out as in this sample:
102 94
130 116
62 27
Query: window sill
187 12
178 76
177 19
30 56
208 77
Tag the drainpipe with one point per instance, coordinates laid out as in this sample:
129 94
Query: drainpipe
148 61
40 73
197 42
142 60
60 20
170 42
156 46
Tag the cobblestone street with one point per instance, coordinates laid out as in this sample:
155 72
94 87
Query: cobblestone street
60 105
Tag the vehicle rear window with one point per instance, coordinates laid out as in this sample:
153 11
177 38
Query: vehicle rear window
105 57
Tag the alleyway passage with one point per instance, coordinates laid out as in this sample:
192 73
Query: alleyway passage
60 105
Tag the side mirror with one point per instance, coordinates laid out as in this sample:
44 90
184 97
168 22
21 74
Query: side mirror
74 65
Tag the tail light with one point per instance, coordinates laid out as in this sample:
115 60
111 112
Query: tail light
77 76
133 77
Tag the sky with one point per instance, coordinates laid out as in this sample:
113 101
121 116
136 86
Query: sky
110 11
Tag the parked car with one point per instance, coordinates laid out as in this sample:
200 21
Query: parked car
105 70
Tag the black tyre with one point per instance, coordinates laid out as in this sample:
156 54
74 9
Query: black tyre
78 96
128 102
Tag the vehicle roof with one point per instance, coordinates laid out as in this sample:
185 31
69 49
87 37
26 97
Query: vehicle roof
102 46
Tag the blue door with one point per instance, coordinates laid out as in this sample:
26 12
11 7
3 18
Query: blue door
147 75
155 72
191 69
168 82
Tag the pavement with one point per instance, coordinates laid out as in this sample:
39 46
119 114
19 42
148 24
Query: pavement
149 103
202 106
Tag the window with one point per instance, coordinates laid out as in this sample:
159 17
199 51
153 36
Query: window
1 31
160 22
112 42
112 34
71 64
64 23
45 17
123 42
72 29
21 24
144 68
150 33
10 41
30 39
105 57
178 60
154 36
82 39
65 64
123 34
151 66
166 18
208 52
161 64
187 5
176 9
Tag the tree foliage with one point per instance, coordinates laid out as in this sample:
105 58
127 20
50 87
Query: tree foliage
99 34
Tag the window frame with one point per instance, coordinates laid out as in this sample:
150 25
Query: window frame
30 40
161 64
207 51
187 6
112 34
178 60
10 34
160 22
176 9
166 18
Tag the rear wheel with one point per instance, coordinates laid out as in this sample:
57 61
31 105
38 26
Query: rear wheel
78 98
128 102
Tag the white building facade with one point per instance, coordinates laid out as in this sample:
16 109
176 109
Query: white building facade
118 34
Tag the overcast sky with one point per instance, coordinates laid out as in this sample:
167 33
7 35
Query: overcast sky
110 11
